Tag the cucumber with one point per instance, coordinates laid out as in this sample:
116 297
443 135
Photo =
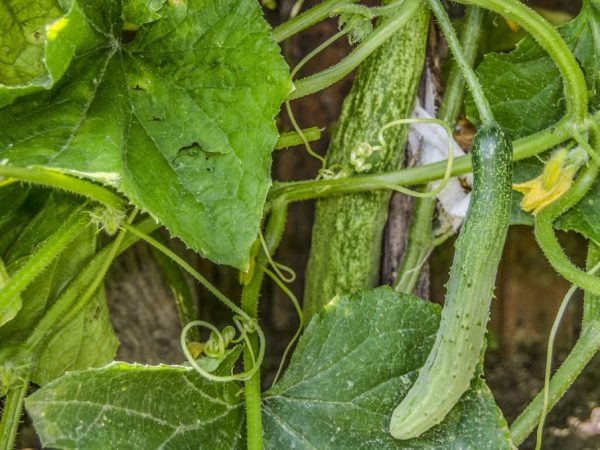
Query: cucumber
347 233
452 361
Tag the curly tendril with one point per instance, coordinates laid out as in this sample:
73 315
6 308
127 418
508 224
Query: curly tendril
444 181
217 344
244 323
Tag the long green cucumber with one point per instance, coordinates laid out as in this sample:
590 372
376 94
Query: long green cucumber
452 361
347 233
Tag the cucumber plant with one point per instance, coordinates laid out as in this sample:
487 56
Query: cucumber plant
112 112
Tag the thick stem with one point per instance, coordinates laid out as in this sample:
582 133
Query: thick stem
382 33
547 240
463 62
586 347
43 256
250 299
11 414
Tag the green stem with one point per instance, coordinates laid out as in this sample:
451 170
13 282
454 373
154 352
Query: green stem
455 85
551 41
547 240
550 353
293 138
184 300
307 19
250 299
591 302
522 148
43 256
586 347
463 62
55 179
419 244
11 414
382 33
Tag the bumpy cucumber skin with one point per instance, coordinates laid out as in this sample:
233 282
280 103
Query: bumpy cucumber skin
452 361
347 233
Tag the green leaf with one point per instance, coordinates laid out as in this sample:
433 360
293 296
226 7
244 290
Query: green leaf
179 119
87 340
355 362
525 88
137 407
38 41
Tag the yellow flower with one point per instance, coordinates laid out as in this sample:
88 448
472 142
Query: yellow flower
554 181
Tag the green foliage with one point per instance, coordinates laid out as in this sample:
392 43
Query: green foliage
356 360
181 115
524 87
137 407
353 365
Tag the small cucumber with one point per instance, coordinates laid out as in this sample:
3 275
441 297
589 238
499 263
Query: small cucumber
452 361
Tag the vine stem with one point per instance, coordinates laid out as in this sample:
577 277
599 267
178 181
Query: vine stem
11 414
551 41
319 81
307 19
56 179
44 255
522 148
250 299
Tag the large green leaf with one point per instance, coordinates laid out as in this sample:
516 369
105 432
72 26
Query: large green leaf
524 86
355 362
87 340
137 407
37 43
177 115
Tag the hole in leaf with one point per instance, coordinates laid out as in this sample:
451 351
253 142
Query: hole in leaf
128 33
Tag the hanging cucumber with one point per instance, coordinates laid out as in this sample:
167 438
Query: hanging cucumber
347 234
451 364
452 361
